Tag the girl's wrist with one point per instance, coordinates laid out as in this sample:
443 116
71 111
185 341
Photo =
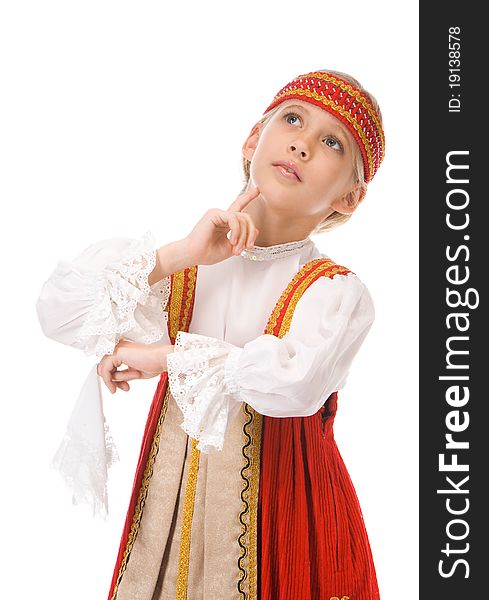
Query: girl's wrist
171 258
163 351
174 257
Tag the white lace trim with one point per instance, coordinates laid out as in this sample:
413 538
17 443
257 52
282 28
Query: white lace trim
230 367
277 251
87 450
88 479
204 387
125 303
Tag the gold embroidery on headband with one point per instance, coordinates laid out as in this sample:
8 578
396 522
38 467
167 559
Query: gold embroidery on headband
356 94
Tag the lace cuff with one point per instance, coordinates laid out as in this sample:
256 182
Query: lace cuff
201 378
125 303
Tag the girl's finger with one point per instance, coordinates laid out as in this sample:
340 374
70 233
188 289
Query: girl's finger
126 375
112 387
244 199
244 225
123 385
252 230
233 223
237 227
253 235
105 370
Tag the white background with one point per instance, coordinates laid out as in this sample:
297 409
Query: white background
118 117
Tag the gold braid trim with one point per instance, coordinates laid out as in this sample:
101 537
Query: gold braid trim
143 492
333 269
187 516
177 321
315 265
190 490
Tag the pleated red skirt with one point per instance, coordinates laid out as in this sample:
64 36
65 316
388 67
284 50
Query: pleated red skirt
313 544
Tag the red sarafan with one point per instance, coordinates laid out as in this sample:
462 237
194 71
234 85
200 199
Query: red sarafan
314 545
302 531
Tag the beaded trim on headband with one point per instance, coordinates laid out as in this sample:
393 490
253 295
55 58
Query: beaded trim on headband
348 104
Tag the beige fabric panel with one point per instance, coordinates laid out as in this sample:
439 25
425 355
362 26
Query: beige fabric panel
141 574
152 569
215 550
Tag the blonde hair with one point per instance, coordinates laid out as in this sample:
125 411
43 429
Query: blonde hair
335 218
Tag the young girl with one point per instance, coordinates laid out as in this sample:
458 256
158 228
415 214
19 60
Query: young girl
252 336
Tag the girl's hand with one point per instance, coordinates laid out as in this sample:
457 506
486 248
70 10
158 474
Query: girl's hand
208 242
143 362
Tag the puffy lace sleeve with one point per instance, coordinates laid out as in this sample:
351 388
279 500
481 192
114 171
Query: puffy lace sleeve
90 303
278 377
103 295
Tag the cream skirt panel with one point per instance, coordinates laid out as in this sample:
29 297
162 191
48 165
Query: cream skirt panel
159 566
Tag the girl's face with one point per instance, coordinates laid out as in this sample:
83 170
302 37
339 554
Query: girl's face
321 151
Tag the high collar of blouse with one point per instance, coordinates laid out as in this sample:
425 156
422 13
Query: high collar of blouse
276 251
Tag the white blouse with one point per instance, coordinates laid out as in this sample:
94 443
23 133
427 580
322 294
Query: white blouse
103 295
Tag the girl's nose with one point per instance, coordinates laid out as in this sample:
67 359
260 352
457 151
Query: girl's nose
299 148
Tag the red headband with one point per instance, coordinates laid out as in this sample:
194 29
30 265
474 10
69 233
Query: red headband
348 104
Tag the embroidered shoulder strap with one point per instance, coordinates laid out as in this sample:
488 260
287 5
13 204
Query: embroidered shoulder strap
181 301
281 317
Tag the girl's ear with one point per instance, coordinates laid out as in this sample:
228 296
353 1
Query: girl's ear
348 203
251 142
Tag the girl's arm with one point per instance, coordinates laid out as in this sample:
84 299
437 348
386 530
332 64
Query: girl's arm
103 295
120 287
171 258
278 377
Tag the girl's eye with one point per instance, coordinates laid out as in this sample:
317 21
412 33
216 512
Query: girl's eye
332 142
291 114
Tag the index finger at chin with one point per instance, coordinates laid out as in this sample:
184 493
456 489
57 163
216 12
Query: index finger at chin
243 199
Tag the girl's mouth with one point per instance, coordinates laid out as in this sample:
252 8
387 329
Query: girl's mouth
286 173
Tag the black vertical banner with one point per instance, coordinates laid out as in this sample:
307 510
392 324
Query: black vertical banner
454 348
